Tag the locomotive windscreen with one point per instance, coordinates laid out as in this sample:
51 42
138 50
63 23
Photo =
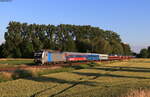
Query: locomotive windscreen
38 54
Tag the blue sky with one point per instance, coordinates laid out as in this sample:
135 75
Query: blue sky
130 18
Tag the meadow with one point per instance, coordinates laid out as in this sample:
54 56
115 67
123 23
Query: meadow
111 79
10 62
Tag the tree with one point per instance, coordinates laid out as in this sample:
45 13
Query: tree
126 49
143 53
1 50
148 52
13 40
22 39
27 49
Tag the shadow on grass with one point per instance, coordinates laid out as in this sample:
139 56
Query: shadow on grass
96 75
84 66
78 82
60 81
37 93
120 68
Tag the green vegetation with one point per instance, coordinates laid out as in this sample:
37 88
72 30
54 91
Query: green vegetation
103 80
2 78
35 72
66 69
144 53
22 39
15 62
22 74
5 76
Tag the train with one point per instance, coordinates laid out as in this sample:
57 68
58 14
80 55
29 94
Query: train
49 56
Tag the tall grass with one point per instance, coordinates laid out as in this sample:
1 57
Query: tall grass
138 93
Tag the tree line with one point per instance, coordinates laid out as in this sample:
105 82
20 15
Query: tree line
23 39
144 53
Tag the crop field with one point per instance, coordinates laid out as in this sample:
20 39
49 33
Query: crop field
112 79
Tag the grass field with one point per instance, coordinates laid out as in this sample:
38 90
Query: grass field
103 80
15 62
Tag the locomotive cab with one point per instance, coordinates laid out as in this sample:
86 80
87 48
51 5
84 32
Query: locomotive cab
39 57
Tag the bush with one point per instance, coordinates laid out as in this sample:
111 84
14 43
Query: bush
5 76
22 74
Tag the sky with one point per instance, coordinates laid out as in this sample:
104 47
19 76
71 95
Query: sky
129 18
